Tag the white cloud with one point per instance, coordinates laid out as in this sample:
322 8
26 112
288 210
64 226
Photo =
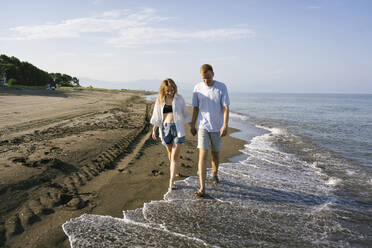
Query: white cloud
97 2
219 59
125 28
112 13
156 52
313 7
65 54
140 36
221 34
108 22
102 55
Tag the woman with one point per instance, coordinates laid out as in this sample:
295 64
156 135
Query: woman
170 114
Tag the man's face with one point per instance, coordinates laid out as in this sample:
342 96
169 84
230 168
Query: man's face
207 77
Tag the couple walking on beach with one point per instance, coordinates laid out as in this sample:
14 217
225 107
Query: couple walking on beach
210 102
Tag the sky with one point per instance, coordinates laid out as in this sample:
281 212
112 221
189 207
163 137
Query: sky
269 46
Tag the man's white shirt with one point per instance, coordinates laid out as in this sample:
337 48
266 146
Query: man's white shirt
211 101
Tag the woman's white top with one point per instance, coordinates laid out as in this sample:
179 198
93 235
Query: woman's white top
180 114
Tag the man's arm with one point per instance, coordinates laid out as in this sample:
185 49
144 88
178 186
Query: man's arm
195 112
226 111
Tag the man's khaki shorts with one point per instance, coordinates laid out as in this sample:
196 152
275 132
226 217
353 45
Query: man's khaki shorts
206 138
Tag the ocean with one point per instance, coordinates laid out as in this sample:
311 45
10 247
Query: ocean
304 179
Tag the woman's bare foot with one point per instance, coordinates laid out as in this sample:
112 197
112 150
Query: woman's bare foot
171 185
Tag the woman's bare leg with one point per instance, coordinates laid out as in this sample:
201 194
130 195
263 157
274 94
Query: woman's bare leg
174 163
169 151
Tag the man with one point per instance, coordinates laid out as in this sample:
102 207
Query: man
210 103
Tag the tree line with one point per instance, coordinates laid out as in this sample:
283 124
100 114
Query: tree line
23 73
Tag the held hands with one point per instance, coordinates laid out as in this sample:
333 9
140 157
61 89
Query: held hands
223 130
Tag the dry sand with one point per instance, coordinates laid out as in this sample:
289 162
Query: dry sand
63 154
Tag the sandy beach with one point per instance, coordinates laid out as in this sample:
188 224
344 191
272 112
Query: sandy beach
66 153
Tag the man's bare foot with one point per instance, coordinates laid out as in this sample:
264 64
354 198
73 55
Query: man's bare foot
199 193
215 180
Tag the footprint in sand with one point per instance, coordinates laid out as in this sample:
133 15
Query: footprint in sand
156 173
19 160
186 165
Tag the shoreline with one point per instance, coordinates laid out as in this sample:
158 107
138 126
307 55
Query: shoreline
102 168
269 183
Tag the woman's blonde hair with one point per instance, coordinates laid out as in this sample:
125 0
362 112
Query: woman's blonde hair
168 82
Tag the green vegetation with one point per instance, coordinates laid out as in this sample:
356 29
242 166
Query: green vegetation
12 82
24 73
64 80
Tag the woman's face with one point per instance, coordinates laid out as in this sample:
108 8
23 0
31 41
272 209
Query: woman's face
169 91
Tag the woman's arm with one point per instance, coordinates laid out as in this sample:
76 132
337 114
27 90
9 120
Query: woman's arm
156 119
154 128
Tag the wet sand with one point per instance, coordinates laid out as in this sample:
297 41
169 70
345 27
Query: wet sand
63 154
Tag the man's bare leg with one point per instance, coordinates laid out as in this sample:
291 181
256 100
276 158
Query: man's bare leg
215 163
202 170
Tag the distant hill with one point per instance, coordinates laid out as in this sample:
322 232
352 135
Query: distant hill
140 84
23 73
143 84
